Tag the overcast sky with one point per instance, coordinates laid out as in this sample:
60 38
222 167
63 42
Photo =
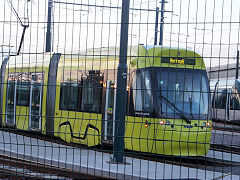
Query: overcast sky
210 27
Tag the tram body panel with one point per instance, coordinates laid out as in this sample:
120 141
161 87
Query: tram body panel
220 114
72 123
234 115
74 127
137 136
153 56
176 138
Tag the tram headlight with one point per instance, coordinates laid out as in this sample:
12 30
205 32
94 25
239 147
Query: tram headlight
208 124
161 122
146 124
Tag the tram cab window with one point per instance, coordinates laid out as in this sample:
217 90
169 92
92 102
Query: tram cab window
23 93
182 90
70 96
92 92
142 92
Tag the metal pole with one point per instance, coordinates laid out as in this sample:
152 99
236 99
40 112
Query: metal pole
156 26
22 38
48 34
237 65
162 22
120 110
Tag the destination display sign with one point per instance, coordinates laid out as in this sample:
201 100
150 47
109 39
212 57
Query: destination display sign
174 60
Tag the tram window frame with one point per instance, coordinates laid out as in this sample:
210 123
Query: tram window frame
36 93
93 93
219 97
62 105
21 98
139 92
10 92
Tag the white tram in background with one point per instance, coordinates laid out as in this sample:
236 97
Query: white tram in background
225 99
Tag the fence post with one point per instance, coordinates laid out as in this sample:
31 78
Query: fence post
49 23
156 26
162 22
237 65
120 110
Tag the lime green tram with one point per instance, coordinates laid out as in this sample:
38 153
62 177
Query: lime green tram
73 97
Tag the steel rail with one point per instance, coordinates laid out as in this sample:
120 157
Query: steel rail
40 168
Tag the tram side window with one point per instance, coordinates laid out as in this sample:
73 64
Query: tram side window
36 93
23 93
11 92
69 96
92 93
137 97
142 93
220 98
235 100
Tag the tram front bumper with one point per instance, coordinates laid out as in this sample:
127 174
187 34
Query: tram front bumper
182 143
174 143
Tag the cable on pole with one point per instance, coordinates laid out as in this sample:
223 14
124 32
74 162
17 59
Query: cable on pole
25 26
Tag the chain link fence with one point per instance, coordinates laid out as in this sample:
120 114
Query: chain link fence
132 89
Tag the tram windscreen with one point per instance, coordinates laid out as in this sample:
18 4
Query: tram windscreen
186 89
172 92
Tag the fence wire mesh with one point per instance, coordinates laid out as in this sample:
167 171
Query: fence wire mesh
132 89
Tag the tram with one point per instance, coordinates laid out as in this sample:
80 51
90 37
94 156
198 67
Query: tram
226 99
73 97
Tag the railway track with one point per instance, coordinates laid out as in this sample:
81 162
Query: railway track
227 149
18 168
192 162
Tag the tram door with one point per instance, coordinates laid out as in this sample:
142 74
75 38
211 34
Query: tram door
35 107
221 104
24 100
109 111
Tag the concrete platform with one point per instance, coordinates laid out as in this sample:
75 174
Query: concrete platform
97 163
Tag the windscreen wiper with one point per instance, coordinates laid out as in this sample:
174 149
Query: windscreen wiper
174 108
